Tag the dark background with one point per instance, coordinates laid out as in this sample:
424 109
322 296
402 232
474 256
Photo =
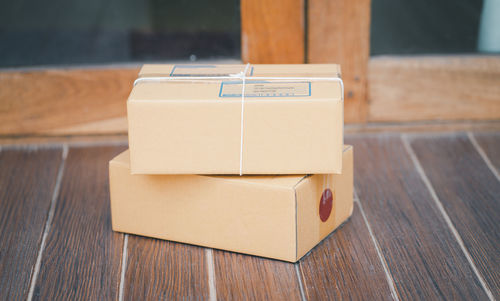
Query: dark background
50 32
424 26
76 32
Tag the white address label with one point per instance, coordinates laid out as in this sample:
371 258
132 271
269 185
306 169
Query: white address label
266 89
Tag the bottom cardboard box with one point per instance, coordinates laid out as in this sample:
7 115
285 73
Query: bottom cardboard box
281 217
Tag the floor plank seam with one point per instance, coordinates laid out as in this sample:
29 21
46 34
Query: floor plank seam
211 274
48 223
390 280
123 268
483 155
445 215
301 285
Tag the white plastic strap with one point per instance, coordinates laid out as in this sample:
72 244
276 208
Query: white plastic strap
243 83
241 76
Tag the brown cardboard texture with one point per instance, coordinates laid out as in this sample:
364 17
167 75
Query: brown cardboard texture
195 126
281 217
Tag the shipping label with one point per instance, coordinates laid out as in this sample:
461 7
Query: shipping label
265 89
208 70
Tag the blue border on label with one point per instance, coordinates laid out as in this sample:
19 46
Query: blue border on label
198 67
260 96
190 67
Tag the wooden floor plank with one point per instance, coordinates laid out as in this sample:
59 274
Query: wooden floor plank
82 257
243 277
27 181
163 270
423 257
345 266
470 194
490 144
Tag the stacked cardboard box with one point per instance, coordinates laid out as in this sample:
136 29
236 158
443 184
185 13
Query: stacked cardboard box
263 172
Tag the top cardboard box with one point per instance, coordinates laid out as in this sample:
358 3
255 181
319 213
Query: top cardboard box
181 124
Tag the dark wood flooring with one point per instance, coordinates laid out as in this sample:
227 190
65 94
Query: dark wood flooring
425 226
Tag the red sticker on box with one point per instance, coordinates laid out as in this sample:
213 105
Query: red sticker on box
325 205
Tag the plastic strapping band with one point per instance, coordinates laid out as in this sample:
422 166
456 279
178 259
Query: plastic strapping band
243 84
241 76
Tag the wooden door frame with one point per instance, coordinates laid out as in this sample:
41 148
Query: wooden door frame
380 91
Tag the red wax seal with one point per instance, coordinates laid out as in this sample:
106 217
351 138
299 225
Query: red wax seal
325 205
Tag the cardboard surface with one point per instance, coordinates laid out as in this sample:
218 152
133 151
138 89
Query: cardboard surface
310 229
269 216
194 127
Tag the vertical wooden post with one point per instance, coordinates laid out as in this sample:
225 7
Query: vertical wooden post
272 31
339 32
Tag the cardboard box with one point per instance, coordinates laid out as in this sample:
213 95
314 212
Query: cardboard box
195 126
281 217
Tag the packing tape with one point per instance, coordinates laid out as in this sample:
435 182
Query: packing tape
243 77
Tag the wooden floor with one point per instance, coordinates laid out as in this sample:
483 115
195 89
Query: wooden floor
425 226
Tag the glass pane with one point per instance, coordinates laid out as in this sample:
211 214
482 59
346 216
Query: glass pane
435 27
57 32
